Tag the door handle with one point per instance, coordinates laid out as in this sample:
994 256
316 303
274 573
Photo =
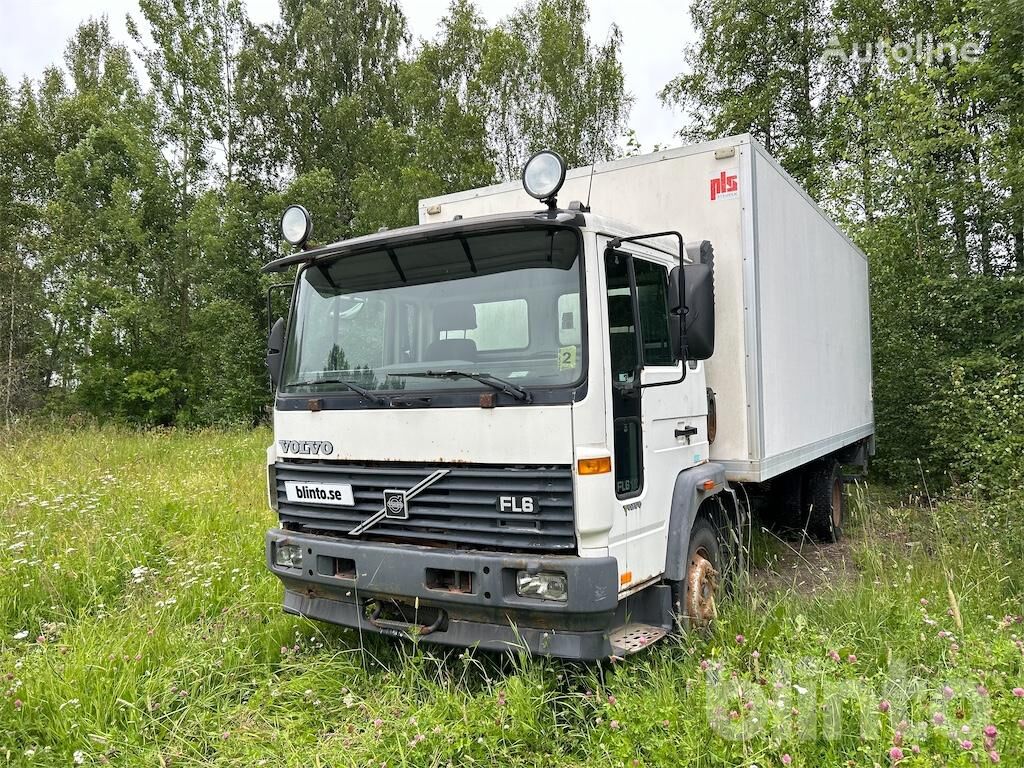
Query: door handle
686 432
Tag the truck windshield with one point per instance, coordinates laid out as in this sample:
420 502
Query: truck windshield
505 305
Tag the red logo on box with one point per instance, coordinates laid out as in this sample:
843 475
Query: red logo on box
725 185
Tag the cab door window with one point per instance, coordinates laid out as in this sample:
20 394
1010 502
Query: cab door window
621 319
624 360
652 297
638 334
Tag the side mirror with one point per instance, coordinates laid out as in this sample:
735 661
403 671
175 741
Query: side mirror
275 344
699 322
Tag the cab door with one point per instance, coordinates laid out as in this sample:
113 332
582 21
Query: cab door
657 424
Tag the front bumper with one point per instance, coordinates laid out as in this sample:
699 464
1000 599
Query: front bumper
340 581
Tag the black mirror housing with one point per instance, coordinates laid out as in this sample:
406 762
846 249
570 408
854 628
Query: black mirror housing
699 321
275 346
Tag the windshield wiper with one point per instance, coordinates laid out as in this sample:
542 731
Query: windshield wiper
510 389
376 399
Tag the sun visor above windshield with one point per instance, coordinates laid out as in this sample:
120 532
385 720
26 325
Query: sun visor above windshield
451 258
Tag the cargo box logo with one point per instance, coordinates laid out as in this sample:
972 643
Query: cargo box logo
726 185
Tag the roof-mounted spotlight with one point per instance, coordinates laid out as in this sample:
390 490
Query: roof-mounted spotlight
543 176
296 225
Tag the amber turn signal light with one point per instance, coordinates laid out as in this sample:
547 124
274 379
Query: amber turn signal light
594 466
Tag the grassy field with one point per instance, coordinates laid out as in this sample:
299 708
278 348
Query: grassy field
138 626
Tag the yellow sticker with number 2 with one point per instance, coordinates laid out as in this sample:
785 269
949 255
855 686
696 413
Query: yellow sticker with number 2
566 357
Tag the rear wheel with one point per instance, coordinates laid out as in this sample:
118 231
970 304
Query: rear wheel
826 507
694 597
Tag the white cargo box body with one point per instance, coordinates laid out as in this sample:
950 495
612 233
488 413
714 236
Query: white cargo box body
792 365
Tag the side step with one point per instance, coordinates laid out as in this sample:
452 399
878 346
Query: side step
631 638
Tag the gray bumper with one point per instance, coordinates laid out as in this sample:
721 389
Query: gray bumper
339 579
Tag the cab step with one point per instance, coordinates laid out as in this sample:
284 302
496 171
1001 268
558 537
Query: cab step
631 638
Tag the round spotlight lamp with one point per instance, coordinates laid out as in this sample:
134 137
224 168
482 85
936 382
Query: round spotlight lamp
296 225
543 176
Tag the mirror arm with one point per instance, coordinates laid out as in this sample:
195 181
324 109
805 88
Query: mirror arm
682 310
680 380
615 242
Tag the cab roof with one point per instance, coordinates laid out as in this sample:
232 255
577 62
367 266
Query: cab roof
506 221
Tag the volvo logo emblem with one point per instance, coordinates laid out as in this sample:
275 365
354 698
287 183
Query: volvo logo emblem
396 503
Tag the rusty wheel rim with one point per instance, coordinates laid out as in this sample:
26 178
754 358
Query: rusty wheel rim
837 503
701 584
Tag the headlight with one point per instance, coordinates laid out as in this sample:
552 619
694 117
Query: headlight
288 556
296 225
546 586
543 175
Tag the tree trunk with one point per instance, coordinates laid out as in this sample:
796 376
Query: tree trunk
959 232
1018 237
981 218
229 97
10 353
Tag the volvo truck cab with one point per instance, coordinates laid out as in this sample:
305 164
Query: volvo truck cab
494 431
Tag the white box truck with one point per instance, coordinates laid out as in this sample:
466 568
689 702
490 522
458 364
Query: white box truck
537 425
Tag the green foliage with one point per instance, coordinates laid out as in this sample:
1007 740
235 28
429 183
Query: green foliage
919 158
22 357
984 408
755 68
228 380
945 352
150 397
477 101
134 220
549 86
439 143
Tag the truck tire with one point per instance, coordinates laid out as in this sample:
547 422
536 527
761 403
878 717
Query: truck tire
693 598
825 508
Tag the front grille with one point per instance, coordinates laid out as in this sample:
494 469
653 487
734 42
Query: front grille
458 510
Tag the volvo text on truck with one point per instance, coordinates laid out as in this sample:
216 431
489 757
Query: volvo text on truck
537 418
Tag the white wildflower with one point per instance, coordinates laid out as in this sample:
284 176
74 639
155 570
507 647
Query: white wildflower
21 635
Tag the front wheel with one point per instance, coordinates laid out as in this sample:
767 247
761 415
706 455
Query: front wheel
694 597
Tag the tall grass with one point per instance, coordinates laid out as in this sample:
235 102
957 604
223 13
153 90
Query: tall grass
138 626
